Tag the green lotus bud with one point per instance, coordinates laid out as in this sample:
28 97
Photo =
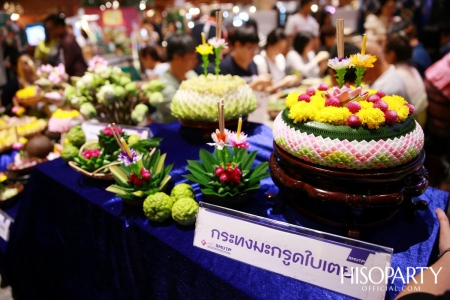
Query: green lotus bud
69 92
141 107
131 88
106 95
76 101
124 80
88 110
155 86
137 116
120 92
156 98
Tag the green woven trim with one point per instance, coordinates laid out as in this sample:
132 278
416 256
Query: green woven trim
351 134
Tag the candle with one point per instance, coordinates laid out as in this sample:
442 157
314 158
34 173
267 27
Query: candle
238 132
363 47
203 38
125 146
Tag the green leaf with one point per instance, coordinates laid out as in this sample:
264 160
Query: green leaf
254 187
227 157
248 161
119 173
164 181
198 174
194 179
160 163
208 160
196 164
115 190
260 169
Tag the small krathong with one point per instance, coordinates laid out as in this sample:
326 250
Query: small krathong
227 172
140 174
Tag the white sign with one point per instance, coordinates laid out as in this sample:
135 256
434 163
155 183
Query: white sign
91 130
329 264
5 222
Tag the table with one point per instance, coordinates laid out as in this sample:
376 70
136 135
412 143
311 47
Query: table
73 240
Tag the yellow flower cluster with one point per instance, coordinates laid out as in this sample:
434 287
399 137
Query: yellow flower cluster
65 114
365 61
28 92
204 49
315 110
371 117
397 103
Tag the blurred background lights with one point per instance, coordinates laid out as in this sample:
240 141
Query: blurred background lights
191 24
244 16
252 9
237 23
108 4
314 8
236 10
225 14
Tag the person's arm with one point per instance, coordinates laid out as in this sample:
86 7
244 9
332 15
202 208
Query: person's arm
261 64
431 283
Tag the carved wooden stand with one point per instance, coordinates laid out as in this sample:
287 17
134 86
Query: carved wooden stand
348 199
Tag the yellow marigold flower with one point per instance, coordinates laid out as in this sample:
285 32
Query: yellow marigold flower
366 104
302 112
292 99
333 115
3 177
371 92
318 102
204 49
371 117
365 61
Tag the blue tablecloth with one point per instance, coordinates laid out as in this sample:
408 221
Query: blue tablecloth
73 240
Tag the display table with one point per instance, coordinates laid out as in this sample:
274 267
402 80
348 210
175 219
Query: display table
73 240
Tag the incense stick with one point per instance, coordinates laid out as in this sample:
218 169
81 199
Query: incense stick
340 37
113 130
219 24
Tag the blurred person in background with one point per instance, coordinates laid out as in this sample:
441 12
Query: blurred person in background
69 51
170 30
302 21
183 58
10 54
243 44
398 52
383 76
420 57
303 58
148 35
445 39
47 51
152 63
271 61
327 38
377 24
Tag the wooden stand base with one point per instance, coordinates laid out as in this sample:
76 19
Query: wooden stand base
348 199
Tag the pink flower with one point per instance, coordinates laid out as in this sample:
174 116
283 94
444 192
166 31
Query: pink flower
88 154
239 142
346 94
17 146
108 131
58 74
95 62
44 70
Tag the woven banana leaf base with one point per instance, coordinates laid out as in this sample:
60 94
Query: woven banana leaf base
349 199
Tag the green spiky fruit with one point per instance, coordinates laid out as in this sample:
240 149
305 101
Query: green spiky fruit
184 211
158 207
197 98
182 190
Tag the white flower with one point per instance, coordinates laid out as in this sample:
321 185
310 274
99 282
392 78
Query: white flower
339 63
88 80
216 43
103 71
106 94
219 140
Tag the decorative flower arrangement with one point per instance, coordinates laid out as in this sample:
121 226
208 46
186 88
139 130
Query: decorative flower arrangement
139 174
216 43
93 159
53 81
366 108
227 172
109 93
6 193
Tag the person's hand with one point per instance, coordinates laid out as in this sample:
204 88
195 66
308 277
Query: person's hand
444 230
261 82
322 56
287 81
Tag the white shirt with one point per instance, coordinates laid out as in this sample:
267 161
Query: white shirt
275 68
309 68
297 23
158 70
390 83
415 88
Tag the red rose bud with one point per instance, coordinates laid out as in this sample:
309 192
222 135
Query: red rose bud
236 179
383 106
145 174
333 102
138 181
391 117
354 107
310 91
373 98
237 170
304 97
354 121
132 178
223 177
219 170
381 94
323 87
411 108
